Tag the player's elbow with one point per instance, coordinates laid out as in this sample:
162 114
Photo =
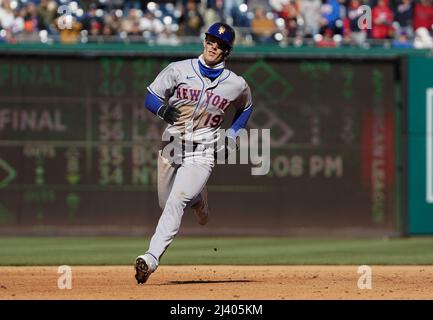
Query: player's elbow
152 102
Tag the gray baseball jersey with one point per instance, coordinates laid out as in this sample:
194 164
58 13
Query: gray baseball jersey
202 102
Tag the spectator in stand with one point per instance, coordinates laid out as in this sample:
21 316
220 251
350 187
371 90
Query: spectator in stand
131 25
32 20
382 17
327 40
304 18
130 4
91 22
277 5
264 4
403 14
423 15
167 37
228 6
7 22
330 15
112 25
70 36
289 12
311 13
108 31
402 41
353 33
217 6
47 10
95 28
240 19
185 2
191 20
152 28
18 23
7 16
423 40
262 28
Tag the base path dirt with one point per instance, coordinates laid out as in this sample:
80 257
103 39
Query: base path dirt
219 282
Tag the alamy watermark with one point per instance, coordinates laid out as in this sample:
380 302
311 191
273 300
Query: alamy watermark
220 147
65 19
65 279
364 281
365 18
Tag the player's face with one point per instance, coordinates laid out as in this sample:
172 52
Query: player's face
214 50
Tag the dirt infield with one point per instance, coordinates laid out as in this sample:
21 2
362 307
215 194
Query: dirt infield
219 282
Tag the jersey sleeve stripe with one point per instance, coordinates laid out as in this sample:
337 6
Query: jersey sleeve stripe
250 106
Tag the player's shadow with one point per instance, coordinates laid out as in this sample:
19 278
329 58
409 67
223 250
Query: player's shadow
208 281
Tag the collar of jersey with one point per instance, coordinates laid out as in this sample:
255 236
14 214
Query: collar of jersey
211 72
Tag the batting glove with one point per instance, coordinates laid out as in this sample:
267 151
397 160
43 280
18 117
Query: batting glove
169 114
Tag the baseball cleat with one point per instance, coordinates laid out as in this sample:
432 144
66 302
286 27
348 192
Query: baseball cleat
142 271
201 209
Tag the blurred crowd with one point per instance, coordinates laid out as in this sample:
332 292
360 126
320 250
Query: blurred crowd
323 23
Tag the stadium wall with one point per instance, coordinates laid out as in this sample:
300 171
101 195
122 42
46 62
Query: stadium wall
420 146
78 148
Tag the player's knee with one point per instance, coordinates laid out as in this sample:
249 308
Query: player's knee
178 200
173 206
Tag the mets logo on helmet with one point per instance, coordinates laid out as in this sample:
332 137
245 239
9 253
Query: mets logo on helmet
221 30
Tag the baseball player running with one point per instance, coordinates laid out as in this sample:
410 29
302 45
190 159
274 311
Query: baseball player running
192 96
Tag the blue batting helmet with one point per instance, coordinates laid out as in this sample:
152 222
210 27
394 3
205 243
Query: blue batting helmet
222 31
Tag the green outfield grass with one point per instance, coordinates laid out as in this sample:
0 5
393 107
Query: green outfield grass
271 251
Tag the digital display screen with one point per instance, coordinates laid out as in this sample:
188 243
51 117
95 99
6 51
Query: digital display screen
78 147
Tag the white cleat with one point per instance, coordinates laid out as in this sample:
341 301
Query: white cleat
201 209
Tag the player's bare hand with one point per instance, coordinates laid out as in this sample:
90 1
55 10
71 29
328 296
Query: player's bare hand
169 114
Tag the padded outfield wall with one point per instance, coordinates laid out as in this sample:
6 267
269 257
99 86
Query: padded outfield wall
420 146
78 149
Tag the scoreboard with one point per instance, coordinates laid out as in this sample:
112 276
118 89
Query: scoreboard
78 148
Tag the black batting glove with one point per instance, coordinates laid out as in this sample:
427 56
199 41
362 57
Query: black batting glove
169 114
